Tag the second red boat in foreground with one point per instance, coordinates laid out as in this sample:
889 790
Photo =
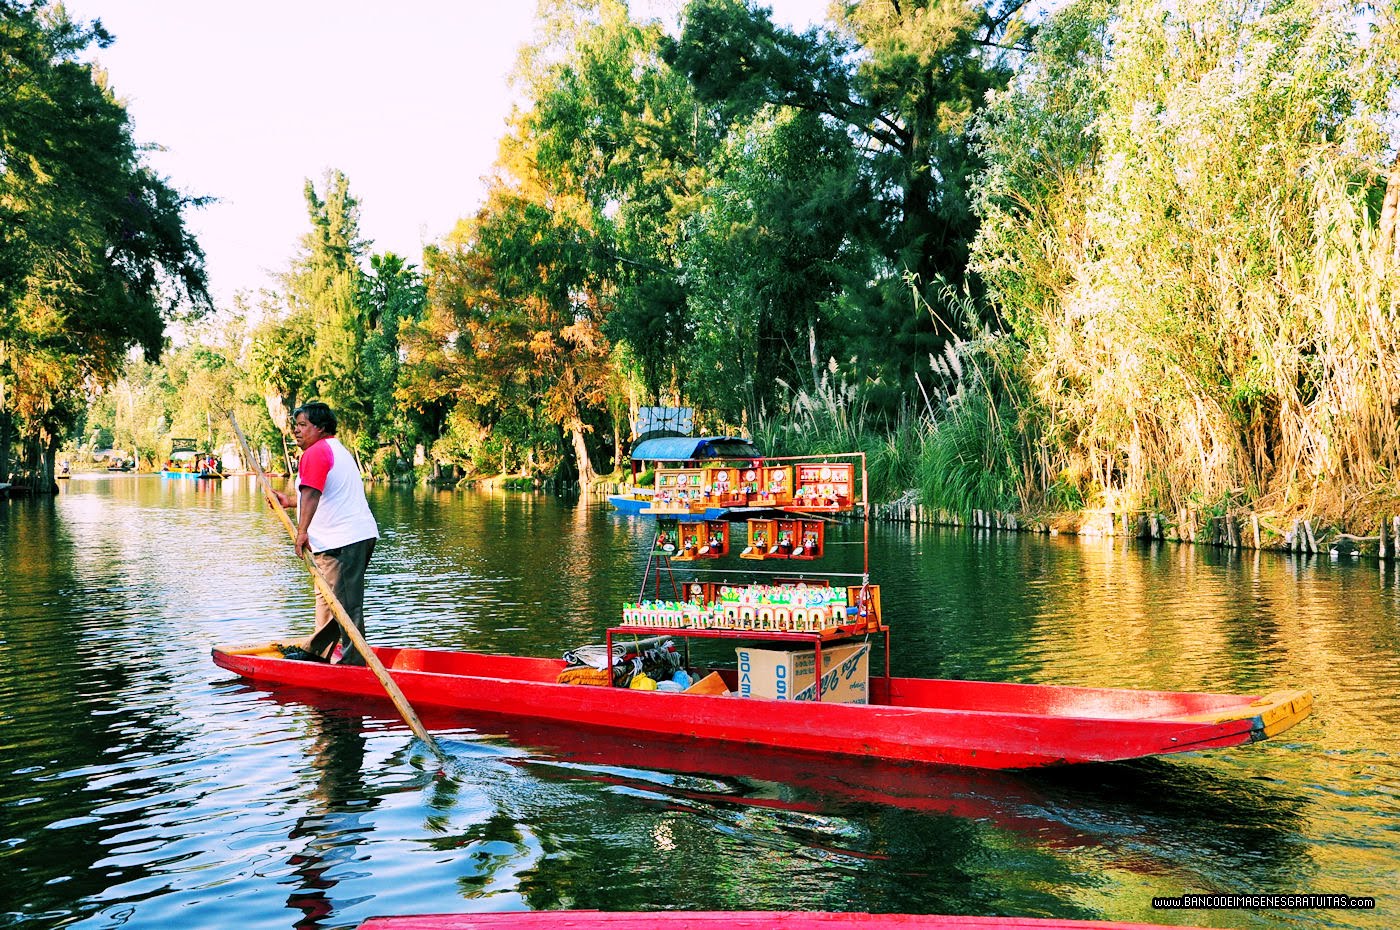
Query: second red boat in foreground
930 721
731 920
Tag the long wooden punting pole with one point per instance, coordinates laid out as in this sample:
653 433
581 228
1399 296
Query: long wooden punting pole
391 687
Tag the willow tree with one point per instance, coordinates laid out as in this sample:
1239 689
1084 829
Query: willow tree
94 254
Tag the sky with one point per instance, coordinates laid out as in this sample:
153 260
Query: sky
246 101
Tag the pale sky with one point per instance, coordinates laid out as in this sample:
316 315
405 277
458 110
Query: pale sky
248 99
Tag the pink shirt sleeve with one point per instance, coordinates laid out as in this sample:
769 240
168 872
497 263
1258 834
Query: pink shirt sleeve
315 466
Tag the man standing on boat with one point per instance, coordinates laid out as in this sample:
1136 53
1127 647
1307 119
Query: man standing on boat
334 522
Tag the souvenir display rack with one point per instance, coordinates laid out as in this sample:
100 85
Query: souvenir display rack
803 486
789 497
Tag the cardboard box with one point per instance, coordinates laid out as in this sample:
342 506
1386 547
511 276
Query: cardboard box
789 674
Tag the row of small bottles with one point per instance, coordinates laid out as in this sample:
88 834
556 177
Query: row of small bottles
766 608
768 618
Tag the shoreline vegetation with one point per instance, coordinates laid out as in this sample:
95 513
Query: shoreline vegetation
1121 259
1243 530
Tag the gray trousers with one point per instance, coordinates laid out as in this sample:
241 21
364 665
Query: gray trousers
344 569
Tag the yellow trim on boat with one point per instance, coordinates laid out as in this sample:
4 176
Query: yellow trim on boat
1272 713
1288 708
253 649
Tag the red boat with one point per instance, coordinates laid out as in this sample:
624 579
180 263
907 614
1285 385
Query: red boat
732 920
937 722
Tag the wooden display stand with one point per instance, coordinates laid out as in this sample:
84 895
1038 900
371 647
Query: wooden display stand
761 536
699 592
721 488
785 539
866 600
811 540
711 610
716 542
677 491
667 537
774 486
748 481
691 535
823 487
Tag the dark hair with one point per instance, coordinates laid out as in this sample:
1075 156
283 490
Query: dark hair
318 415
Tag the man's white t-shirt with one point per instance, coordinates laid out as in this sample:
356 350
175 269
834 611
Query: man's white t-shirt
342 517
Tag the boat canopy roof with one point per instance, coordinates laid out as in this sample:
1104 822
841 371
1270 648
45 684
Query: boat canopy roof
689 448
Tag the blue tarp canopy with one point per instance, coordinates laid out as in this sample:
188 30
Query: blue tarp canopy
687 448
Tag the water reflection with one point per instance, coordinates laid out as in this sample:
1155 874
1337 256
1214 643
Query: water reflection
332 830
1150 816
140 785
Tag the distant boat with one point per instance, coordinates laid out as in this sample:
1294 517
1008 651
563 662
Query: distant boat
186 461
678 452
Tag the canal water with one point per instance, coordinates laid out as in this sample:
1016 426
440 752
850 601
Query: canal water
141 786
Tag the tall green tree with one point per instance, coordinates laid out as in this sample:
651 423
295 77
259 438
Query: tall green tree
613 121
763 258
584 214
94 255
393 299
904 78
326 290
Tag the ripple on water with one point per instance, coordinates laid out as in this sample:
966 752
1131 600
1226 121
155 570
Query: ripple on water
142 785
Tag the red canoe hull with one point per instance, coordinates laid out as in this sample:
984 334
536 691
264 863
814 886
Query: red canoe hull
937 722
731 920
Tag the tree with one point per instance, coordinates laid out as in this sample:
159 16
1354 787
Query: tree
904 78
583 217
393 299
94 255
764 256
515 284
326 290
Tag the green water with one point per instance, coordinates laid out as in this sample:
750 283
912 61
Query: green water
141 786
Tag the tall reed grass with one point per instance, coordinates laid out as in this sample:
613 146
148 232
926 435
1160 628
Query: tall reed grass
1204 307
830 417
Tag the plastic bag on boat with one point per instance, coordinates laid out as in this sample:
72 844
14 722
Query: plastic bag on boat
299 654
